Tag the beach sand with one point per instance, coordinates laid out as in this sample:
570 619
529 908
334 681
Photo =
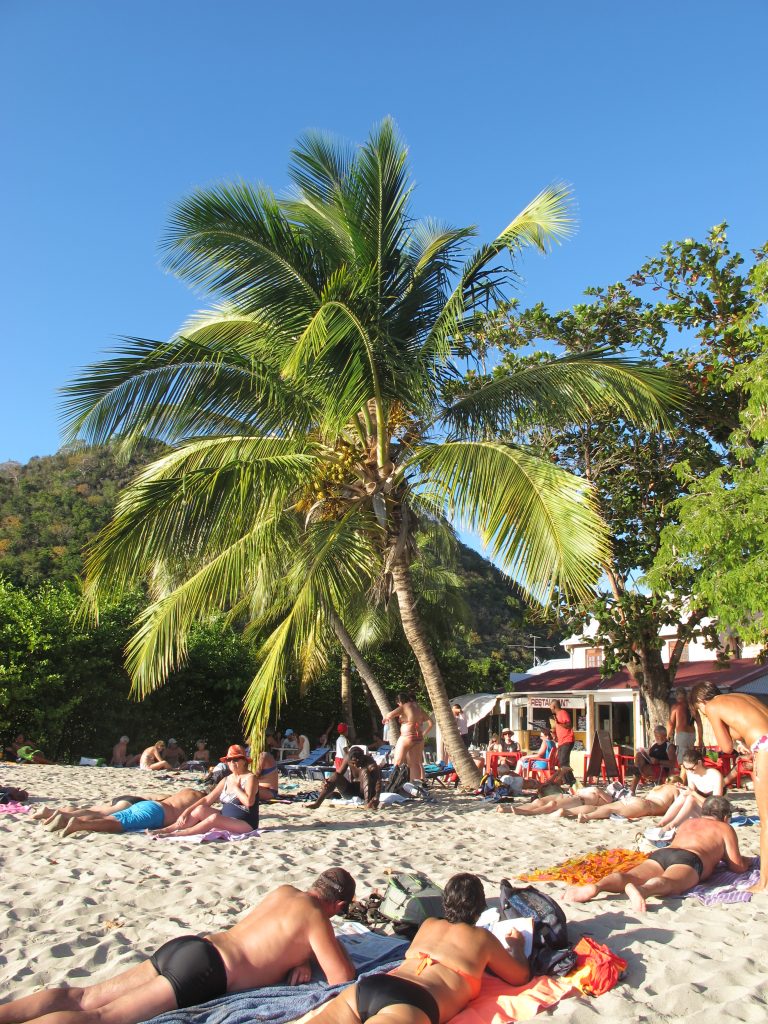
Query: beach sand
78 910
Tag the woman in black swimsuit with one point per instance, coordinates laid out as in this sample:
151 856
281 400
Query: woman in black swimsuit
443 967
238 794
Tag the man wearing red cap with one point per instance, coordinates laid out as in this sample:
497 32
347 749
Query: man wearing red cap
276 943
342 745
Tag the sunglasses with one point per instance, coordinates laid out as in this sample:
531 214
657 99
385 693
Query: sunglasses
238 758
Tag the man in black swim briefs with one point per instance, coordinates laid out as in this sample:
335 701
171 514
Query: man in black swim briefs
193 969
699 845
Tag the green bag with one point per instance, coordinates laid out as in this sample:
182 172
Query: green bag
411 899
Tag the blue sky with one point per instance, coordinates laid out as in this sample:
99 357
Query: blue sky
111 111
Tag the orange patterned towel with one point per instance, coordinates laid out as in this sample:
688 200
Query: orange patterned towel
589 868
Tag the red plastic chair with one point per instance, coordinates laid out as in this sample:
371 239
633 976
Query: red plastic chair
744 767
542 774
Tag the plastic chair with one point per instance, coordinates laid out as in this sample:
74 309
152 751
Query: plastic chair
542 774
299 768
744 767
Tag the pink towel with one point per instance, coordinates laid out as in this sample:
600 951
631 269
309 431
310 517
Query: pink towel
13 808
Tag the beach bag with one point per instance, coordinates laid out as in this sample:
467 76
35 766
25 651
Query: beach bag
551 952
411 898
397 779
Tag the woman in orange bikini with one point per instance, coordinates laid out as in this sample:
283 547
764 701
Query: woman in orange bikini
415 723
442 970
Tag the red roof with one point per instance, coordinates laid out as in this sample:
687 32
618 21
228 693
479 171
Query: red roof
729 676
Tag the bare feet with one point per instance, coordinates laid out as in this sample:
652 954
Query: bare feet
581 893
761 887
501 809
43 814
636 898
71 827
58 821
583 817
559 813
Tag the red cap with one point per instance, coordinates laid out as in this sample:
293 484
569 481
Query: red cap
342 727
234 751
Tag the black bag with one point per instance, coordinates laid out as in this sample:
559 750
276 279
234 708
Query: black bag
551 952
399 776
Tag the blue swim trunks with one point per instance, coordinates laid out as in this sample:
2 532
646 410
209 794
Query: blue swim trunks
144 814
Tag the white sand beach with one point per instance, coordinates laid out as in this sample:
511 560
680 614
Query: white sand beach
78 910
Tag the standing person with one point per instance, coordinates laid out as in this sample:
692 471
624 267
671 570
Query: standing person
691 857
740 716
342 745
238 795
193 969
563 728
461 724
684 727
415 723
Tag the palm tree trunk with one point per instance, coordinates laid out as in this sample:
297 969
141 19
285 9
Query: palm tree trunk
416 636
366 672
346 693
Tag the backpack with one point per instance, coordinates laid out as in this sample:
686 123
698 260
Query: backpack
551 952
409 900
399 776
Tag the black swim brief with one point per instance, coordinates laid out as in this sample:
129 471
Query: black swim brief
378 991
668 856
194 968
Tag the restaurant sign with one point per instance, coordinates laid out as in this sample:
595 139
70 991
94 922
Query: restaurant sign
568 703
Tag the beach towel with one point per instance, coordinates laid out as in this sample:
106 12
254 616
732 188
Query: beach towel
597 970
369 952
724 886
216 835
589 868
15 808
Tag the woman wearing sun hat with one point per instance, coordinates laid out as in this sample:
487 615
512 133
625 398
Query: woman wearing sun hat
238 794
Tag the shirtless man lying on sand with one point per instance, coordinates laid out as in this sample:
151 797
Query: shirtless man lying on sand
135 814
699 845
656 801
275 943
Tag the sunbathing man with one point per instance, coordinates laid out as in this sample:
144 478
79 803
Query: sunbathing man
590 796
57 818
656 801
740 716
136 817
700 844
275 943
366 780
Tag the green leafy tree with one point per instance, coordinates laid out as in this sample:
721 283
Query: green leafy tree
310 424
695 293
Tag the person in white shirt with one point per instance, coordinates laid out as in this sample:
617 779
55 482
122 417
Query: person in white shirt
342 745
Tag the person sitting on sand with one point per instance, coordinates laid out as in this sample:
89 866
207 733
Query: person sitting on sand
702 782
657 801
442 971
268 776
25 751
136 816
200 758
365 775
556 804
699 845
119 757
238 795
153 758
743 717
276 943
175 755
648 761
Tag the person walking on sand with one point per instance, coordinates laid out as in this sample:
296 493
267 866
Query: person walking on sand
415 723
684 728
743 717
699 845
276 942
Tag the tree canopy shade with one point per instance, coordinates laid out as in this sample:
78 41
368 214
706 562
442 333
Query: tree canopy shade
313 422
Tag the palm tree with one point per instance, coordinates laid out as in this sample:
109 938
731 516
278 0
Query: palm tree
316 422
